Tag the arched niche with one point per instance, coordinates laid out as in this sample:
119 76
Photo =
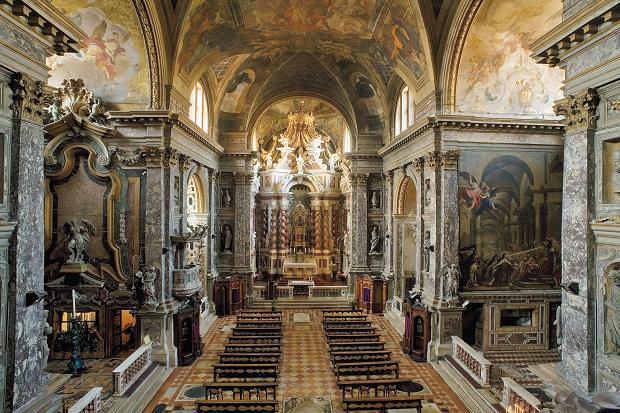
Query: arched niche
407 197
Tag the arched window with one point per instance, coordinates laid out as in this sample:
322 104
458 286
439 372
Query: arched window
404 111
198 111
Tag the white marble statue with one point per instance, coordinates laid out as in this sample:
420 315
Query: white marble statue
301 164
375 199
226 199
375 240
226 240
451 276
77 236
148 285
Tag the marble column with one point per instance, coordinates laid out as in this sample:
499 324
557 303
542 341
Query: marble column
578 318
359 227
26 323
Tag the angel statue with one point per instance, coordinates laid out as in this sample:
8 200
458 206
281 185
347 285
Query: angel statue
77 236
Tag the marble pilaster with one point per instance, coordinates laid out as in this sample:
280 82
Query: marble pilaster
26 341
577 244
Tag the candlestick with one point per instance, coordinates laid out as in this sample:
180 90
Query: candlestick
73 297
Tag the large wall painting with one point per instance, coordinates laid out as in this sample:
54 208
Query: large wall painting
510 219
112 62
496 72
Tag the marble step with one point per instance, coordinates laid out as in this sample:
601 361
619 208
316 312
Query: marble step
300 304
477 400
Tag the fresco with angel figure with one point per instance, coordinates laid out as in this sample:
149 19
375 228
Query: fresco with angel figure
510 219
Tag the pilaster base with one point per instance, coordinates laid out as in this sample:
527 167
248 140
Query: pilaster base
159 326
445 323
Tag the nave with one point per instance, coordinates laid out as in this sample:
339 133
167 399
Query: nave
306 376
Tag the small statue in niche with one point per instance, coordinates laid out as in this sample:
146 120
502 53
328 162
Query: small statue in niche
612 304
375 200
226 199
226 239
147 279
77 236
47 330
427 251
375 240
268 161
427 193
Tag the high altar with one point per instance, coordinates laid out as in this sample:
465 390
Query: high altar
302 221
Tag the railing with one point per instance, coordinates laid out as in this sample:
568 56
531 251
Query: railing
132 368
283 292
260 292
329 291
90 403
186 281
516 399
472 361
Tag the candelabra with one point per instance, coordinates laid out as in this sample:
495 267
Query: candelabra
75 365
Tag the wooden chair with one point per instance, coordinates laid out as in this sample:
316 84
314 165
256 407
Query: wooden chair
234 406
384 404
240 391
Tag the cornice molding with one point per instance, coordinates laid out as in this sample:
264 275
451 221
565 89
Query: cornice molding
43 18
166 118
571 33
482 124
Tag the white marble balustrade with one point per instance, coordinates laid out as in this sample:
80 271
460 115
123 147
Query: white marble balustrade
516 399
129 370
472 361
89 403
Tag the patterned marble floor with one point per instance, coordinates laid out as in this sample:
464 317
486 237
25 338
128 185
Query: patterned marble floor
305 368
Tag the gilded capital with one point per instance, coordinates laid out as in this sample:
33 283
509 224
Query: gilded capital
579 110
28 98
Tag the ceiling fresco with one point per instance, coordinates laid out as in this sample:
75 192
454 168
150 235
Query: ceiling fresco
496 73
377 31
113 61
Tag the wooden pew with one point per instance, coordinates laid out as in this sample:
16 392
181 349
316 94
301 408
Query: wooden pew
252 348
233 406
256 331
384 404
338 338
258 358
275 339
350 330
258 317
346 324
367 369
259 311
378 388
240 391
245 372
359 356
341 311
359 346
259 323
350 317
